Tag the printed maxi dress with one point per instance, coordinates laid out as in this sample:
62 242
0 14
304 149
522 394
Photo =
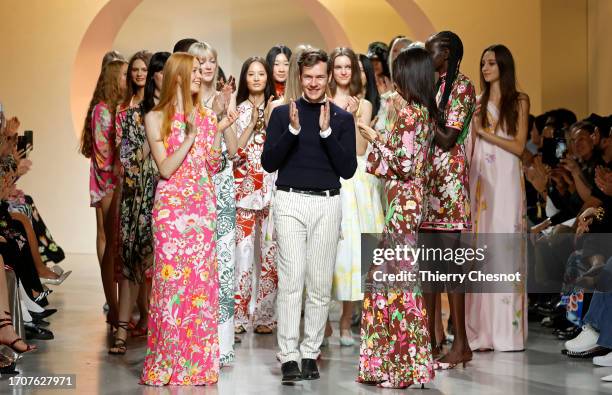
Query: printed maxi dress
140 178
182 342
395 342
497 320
226 247
254 187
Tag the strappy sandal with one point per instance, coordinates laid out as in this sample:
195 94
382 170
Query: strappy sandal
120 345
4 322
263 330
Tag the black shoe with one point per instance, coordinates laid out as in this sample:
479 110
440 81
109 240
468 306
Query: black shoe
309 369
291 372
44 314
36 332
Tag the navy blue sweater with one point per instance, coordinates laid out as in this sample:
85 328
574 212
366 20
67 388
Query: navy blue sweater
308 161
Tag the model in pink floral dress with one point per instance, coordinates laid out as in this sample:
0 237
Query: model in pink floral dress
449 198
182 343
102 177
395 344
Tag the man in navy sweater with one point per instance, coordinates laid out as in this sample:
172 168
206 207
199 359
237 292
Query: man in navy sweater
311 142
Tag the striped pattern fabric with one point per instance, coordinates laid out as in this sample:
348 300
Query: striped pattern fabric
307 231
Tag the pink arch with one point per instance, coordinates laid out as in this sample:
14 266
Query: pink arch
414 17
100 35
98 39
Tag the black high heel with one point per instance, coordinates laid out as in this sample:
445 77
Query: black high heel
120 345
4 322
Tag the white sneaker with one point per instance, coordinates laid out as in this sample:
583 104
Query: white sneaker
607 378
604 360
585 341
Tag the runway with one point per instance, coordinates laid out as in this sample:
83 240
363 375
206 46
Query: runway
81 344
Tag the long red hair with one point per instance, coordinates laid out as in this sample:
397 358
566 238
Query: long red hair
180 64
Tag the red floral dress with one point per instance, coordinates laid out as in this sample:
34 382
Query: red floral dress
448 204
395 343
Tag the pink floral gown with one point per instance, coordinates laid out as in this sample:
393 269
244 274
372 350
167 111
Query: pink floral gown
182 343
395 342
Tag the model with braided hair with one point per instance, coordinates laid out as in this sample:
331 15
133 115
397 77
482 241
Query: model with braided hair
448 202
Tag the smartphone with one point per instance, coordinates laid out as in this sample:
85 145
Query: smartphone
25 143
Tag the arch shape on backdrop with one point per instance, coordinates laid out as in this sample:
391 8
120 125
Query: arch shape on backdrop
414 17
100 35
105 26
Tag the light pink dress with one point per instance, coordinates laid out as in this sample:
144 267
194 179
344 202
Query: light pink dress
182 342
497 193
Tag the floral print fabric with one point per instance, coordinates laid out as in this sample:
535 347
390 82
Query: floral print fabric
449 200
395 343
102 178
182 343
140 178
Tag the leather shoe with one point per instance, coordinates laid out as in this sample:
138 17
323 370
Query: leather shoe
35 332
44 314
309 369
291 372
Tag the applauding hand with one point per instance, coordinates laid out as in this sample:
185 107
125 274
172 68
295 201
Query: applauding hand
294 116
324 116
367 132
228 121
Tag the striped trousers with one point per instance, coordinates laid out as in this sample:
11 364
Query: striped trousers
307 231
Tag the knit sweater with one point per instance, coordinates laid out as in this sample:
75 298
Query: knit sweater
307 160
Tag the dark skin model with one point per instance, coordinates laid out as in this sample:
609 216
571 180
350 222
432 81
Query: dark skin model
460 350
447 137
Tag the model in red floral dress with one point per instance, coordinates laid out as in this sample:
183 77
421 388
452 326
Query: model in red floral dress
395 344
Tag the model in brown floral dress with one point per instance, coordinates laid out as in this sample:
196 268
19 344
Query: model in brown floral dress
395 344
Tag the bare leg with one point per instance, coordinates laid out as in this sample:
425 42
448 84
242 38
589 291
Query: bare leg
127 297
430 306
143 303
7 334
107 266
347 315
100 237
440 336
41 268
460 350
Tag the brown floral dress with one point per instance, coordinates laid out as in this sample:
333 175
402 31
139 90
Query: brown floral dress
448 203
395 343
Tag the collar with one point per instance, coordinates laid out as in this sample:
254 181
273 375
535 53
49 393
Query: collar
324 100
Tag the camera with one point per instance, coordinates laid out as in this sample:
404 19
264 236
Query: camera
25 143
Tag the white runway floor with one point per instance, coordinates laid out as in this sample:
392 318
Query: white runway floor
81 343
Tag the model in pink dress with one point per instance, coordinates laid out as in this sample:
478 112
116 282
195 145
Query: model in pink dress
182 344
497 321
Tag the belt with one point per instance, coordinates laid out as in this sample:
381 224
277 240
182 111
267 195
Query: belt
330 192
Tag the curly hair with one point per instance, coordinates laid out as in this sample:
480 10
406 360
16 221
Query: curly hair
109 91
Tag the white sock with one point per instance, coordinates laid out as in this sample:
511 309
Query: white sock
25 314
29 303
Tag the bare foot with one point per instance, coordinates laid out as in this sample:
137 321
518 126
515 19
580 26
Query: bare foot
48 274
328 329
8 337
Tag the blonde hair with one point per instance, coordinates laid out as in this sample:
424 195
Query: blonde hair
201 50
180 64
293 87
108 91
